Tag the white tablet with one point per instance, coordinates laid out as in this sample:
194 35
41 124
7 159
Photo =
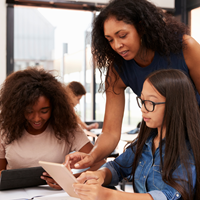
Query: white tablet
61 175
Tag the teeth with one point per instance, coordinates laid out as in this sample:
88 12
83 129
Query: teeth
124 52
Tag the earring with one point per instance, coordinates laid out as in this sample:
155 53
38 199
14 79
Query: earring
141 41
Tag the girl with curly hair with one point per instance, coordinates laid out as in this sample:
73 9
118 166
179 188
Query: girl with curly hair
163 162
37 121
131 39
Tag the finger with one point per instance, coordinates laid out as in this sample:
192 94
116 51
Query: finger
54 185
72 158
81 187
49 179
84 163
92 182
87 176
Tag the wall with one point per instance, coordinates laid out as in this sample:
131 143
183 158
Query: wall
2 41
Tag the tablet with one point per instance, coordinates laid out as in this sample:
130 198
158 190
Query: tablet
21 178
61 175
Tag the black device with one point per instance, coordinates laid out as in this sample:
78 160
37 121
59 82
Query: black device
21 178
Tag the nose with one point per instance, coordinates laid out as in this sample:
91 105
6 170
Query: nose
117 44
36 117
143 109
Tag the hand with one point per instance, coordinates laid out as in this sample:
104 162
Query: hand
78 160
50 181
90 190
93 126
89 177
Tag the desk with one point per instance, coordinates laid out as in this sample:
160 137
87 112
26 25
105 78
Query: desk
28 193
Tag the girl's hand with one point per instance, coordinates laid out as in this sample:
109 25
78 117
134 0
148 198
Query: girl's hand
91 190
50 181
92 177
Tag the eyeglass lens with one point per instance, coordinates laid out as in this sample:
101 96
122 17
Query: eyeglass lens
147 104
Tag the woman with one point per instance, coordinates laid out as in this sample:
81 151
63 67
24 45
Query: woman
131 39
37 122
163 162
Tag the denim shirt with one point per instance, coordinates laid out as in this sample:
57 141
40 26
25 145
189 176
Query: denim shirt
148 174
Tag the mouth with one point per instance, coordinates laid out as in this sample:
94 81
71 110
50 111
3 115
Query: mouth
37 123
123 53
146 119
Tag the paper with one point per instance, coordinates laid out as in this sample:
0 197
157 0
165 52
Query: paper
61 196
28 193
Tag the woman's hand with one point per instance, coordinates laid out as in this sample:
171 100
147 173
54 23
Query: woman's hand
50 181
78 160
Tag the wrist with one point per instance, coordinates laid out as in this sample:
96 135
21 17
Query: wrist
106 193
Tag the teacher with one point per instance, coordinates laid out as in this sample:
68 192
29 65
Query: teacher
131 39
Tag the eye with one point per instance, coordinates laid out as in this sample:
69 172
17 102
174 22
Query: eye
44 111
123 36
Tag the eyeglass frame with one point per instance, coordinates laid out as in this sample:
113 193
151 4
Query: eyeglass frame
143 103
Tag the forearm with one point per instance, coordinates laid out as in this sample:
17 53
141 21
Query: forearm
119 195
104 145
3 164
107 175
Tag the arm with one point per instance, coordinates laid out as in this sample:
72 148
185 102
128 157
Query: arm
85 126
96 165
93 190
111 131
191 54
3 163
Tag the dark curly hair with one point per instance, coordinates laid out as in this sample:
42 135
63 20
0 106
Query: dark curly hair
23 88
158 30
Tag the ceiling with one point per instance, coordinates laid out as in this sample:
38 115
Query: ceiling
89 5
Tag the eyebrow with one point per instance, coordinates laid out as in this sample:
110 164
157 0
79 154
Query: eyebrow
150 96
115 33
45 107
29 108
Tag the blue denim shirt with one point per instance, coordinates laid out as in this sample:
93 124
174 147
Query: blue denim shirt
148 178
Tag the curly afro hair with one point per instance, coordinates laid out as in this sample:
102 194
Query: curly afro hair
23 88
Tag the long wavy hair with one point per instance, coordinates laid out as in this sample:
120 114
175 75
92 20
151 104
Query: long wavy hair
181 119
23 88
158 30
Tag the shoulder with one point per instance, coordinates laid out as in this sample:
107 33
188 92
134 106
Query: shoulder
191 50
191 47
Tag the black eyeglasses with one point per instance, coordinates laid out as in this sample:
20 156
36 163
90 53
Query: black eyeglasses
149 105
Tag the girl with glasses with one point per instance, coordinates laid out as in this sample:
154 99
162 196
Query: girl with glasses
163 162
